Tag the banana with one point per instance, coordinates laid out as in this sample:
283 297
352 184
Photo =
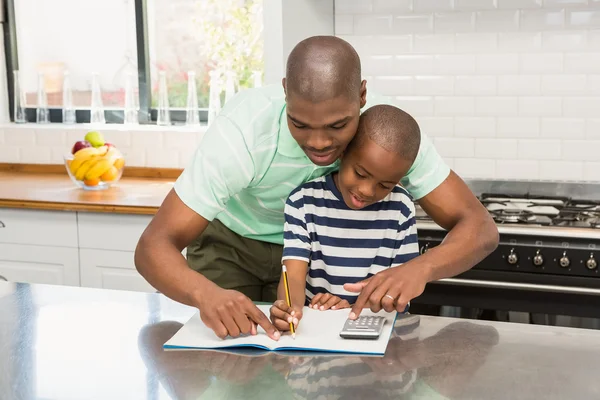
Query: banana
84 168
99 168
86 153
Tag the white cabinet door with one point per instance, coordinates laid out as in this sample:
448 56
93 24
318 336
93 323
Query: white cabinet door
38 227
39 264
110 231
111 270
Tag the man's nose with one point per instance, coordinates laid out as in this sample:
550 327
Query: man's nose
318 140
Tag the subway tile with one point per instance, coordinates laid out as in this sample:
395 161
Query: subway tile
344 24
592 128
497 21
581 150
583 107
394 85
449 162
475 85
413 64
593 39
496 106
539 149
20 137
562 128
475 127
432 5
35 155
10 154
120 138
539 63
1 136
540 106
434 85
454 64
582 62
57 154
591 171
392 6
417 106
181 140
437 126
519 85
517 169
584 19
518 127
434 44
52 137
474 4
378 65
564 3
135 157
564 84
146 139
186 156
454 22
476 42
372 24
353 6
496 148
455 147
412 24
497 63
519 4
475 168
561 170
593 85
519 41
564 41
541 20
454 106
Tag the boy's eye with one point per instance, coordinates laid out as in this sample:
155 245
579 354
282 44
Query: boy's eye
358 174
385 187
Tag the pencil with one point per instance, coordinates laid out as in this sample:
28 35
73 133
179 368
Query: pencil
288 299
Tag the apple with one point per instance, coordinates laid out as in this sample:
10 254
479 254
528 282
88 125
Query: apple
109 145
82 144
95 138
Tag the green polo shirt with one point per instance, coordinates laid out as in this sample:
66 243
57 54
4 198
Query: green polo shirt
248 162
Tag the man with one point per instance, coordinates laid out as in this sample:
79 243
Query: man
227 206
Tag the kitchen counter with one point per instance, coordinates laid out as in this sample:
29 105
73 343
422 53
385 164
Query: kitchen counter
55 191
79 343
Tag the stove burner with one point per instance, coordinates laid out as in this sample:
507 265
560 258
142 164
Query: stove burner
509 215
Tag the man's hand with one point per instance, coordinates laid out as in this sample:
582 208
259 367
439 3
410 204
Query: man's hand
325 301
391 289
282 315
230 313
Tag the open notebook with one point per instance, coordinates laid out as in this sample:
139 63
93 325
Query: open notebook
318 331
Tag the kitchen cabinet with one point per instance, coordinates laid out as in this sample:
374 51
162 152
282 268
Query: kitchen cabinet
39 264
105 231
38 227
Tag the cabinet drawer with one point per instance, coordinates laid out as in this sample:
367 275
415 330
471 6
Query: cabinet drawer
38 227
111 270
111 231
39 264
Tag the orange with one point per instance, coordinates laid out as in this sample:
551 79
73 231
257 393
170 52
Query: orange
91 182
110 175
119 163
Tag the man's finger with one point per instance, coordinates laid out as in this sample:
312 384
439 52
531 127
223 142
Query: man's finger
217 326
389 299
261 319
401 304
358 286
242 322
362 299
230 325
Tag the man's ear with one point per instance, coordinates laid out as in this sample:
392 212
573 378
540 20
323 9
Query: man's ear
363 93
284 88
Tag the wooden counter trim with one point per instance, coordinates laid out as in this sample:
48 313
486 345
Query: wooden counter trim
57 206
129 172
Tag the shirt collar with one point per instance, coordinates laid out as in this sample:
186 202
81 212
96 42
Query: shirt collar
286 144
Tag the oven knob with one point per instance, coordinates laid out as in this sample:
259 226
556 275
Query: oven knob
538 259
512 258
591 263
564 260
424 248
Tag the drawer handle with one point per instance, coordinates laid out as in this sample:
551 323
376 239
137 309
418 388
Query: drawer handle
3 278
2 225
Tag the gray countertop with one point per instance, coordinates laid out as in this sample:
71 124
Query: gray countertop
78 343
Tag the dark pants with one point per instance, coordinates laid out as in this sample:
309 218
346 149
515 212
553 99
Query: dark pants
234 262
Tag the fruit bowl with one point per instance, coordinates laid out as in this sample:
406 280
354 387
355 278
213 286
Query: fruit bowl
95 168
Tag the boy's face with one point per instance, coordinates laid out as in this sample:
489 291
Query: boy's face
368 173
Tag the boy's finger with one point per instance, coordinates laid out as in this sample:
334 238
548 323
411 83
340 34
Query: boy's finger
316 299
324 299
278 313
341 304
331 302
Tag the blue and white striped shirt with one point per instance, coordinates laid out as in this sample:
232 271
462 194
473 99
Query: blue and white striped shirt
343 245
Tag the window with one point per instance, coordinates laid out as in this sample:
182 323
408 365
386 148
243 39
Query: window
117 39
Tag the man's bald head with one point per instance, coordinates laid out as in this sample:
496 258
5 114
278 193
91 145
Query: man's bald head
323 67
390 128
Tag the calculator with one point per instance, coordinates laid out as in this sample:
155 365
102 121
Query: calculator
364 327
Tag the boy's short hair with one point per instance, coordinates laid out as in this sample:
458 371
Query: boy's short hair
390 128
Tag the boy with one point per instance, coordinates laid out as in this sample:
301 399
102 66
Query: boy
351 224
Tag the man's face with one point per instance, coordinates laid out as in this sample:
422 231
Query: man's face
324 129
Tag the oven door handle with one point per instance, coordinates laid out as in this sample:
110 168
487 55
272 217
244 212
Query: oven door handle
519 286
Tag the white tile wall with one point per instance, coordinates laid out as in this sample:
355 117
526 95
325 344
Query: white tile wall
508 89
150 146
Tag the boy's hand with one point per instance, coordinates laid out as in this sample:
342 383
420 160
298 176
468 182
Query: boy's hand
282 315
326 301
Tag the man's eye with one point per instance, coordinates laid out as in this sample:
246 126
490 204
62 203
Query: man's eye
339 126
300 126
